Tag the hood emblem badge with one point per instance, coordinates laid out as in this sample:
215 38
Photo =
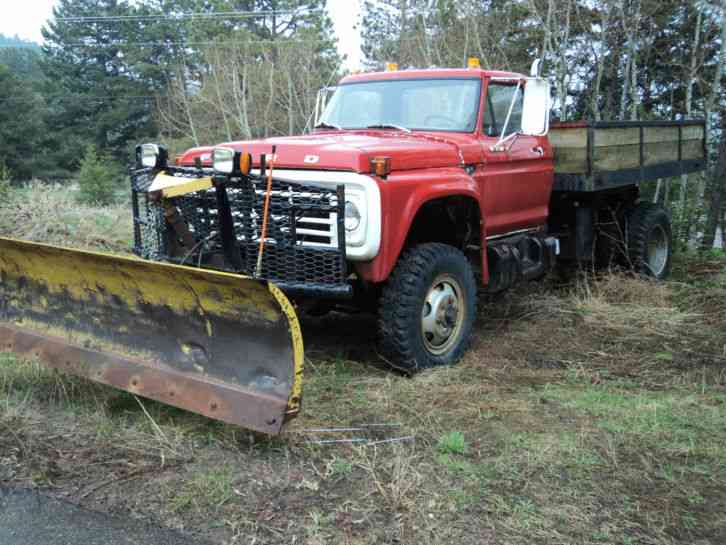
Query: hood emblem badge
311 159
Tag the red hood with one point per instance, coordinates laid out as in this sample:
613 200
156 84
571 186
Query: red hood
352 150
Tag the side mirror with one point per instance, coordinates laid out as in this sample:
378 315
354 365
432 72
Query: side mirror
536 109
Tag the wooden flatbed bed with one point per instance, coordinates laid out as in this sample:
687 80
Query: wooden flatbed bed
598 156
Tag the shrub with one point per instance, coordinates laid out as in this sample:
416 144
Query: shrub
99 178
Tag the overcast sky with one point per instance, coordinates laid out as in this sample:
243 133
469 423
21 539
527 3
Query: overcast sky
25 19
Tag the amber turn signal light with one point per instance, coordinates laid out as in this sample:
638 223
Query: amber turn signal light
381 166
245 163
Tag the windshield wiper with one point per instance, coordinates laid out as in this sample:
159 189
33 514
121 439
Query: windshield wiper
388 126
328 126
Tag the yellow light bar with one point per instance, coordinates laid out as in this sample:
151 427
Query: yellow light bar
391 66
473 62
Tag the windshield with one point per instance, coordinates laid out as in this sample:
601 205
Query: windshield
416 104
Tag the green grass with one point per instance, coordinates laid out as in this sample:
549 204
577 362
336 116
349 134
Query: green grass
686 425
452 443
205 491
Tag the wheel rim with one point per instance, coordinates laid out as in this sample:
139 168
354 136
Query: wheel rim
658 246
442 315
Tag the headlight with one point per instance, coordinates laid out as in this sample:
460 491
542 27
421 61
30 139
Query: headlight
152 156
352 216
223 160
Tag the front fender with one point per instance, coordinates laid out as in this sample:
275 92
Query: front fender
402 196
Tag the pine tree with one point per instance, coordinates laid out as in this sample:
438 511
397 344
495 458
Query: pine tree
98 179
21 126
94 96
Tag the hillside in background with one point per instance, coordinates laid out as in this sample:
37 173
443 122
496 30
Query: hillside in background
14 41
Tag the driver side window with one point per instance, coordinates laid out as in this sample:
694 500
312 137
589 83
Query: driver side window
499 98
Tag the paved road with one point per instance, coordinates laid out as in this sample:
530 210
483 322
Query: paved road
29 518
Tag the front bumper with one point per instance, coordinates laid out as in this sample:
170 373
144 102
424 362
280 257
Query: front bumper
220 228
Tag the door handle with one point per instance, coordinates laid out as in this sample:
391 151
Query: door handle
539 150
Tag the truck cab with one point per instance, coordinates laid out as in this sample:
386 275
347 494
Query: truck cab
456 150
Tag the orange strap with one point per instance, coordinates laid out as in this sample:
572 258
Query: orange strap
265 217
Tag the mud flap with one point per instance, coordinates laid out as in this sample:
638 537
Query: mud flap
222 345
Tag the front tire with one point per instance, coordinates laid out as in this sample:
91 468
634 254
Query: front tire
428 308
650 243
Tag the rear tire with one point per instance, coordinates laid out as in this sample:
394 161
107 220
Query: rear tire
428 308
650 244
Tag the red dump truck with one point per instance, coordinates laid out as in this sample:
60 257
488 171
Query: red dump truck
415 191
455 183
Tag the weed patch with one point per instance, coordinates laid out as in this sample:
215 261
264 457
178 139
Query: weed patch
52 214
452 443
204 491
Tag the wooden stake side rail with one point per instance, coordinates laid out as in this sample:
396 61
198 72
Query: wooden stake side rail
597 156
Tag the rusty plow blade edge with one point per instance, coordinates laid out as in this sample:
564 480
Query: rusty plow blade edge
218 344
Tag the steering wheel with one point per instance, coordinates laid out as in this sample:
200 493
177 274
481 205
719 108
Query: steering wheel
452 123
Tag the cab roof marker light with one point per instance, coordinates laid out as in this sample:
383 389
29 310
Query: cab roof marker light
473 62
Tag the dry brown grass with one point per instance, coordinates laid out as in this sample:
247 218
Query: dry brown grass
52 214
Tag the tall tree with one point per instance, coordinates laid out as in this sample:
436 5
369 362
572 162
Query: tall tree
21 126
94 96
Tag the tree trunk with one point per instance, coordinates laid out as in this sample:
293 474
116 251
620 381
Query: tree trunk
239 92
691 81
626 86
715 193
220 98
402 33
715 185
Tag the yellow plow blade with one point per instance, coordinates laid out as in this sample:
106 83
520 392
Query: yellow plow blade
222 345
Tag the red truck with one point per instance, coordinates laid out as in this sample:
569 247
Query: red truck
417 189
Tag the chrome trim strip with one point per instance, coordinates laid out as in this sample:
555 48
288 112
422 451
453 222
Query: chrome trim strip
513 233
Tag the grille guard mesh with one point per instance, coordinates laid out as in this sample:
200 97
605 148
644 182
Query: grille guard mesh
220 228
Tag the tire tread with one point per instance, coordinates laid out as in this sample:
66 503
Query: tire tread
400 300
641 220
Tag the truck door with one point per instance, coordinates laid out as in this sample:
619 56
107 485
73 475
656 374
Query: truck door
515 181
